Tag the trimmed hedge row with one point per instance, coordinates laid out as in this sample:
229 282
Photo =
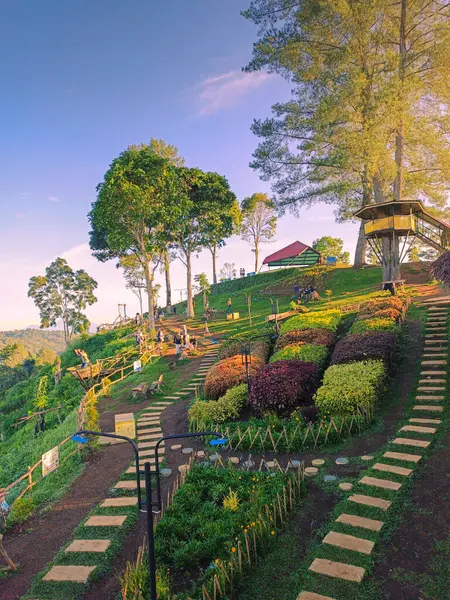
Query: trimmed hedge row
320 337
327 319
352 386
228 373
381 314
258 348
306 352
283 386
355 347
227 407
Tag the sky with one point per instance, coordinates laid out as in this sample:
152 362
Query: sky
83 80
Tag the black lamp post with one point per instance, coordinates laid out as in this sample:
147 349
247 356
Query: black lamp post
148 505
246 351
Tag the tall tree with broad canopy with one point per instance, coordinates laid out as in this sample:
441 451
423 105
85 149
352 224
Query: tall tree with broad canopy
63 293
369 116
169 152
207 204
330 246
258 223
138 200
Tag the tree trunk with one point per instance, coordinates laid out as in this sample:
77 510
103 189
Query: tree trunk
167 274
140 302
256 257
361 248
149 282
391 258
214 259
190 304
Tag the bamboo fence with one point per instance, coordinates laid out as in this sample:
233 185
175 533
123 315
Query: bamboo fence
301 437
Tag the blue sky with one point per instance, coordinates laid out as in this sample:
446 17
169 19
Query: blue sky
82 80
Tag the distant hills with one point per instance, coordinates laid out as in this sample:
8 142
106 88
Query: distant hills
34 340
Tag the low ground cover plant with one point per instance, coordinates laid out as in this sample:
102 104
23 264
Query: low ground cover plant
361 346
320 337
326 319
211 514
375 324
225 408
305 352
283 386
352 387
391 302
228 373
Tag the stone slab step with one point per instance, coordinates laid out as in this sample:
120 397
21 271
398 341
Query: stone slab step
151 430
88 546
428 408
363 522
312 596
106 521
183 393
161 403
430 397
424 381
384 484
425 421
403 456
392 469
370 501
150 452
150 436
434 362
440 336
418 429
348 542
76 574
148 421
128 484
410 442
114 502
171 398
431 388
438 373
438 354
337 570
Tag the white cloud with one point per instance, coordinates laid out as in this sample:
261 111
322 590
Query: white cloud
53 199
226 90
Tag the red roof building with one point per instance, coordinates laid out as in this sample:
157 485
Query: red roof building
296 254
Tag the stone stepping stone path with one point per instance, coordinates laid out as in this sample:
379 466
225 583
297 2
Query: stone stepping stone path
341 461
317 462
310 471
106 521
346 487
77 574
329 478
434 355
117 502
88 546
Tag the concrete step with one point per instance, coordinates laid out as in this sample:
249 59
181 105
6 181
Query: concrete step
392 469
402 456
114 502
312 596
428 408
411 442
349 542
418 429
337 570
370 501
384 484
106 521
430 421
362 522
88 546
76 574
430 397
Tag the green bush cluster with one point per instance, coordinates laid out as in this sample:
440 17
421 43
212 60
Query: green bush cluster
375 324
258 348
352 386
225 408
325 319
305 352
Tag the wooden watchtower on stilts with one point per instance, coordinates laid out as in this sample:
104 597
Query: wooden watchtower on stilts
390 229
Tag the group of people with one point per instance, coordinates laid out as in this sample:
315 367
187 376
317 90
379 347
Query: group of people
305 294
183 341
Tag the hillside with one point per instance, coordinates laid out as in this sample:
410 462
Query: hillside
34 339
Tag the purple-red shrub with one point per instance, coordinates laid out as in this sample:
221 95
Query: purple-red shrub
283 386
362 346
227 373
319 337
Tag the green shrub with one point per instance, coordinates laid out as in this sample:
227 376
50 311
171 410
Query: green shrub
21 510
229 373
375 325
305 352
352 386
218 411
326 319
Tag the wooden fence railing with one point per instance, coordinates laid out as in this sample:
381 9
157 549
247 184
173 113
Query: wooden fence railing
87 416
289 439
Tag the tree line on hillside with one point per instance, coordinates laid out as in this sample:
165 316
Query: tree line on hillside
151 208
369 118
